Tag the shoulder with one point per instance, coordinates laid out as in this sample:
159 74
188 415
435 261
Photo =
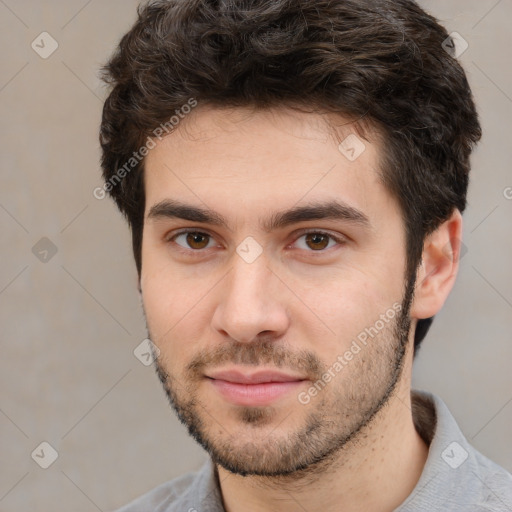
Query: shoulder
493 482
160 496
456 476
185 493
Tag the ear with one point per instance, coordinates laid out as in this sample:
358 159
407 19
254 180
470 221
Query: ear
436 275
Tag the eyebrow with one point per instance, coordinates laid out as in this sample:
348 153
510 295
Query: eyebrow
331 210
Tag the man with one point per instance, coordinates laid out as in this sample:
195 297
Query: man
294 174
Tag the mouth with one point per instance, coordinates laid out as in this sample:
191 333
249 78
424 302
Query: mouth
252 389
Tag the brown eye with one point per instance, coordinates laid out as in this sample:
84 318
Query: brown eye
317 241
197 240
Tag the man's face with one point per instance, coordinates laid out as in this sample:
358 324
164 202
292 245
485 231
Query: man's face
278 341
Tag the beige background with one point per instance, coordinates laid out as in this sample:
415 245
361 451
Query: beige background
68 326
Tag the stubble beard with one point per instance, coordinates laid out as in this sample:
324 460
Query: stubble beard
337 417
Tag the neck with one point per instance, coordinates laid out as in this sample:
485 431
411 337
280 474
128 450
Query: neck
375 472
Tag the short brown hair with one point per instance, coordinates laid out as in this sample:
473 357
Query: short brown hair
379 61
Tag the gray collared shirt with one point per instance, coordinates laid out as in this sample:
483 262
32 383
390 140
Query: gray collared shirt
456 477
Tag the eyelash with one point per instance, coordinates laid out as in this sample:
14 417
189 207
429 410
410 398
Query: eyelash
198 252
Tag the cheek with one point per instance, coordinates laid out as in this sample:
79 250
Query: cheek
164 291
335 313
175 312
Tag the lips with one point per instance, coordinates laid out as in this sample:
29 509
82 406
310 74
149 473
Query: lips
259 377
253 389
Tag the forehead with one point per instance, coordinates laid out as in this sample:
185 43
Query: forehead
241 158
211 126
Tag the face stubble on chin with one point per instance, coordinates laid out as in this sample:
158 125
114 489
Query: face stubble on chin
337 415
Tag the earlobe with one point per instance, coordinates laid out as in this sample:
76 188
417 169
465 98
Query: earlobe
436 275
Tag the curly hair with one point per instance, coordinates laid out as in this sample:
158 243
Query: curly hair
375 61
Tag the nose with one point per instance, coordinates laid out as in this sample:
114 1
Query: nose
251 302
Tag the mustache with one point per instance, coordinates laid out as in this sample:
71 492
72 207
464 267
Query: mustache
257 354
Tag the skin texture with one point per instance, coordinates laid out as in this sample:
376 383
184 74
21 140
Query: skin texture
297 307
